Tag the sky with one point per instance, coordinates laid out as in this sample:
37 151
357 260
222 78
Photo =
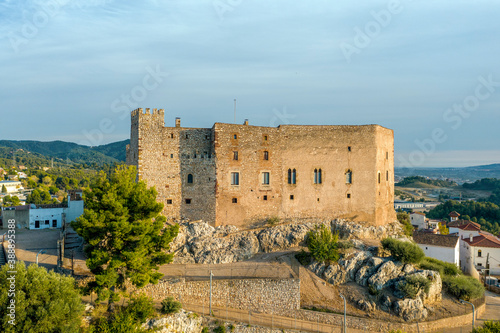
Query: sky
429 70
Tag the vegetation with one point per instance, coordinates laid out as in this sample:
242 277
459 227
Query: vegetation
412 285
272 221
487 214
220 329
44 301
488 327
443 230
169 306
405 252
304 257
404 219
463 287
125 234
126 319
322 244
417 180
443 268
11 201
204 330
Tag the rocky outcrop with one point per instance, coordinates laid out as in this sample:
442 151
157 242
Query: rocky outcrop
350 230
410 309
366 305
180 322
387 274
434 293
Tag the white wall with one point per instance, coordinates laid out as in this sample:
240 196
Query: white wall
418 220
44 214
494 258
74 210
447 254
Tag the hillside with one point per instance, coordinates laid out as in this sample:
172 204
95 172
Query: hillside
422 182
38 153
460 175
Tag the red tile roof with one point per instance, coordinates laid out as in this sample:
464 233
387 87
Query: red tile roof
483 240
429 238
471 226
458 223
454 214
419 213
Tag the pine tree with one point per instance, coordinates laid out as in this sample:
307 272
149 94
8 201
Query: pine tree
44 301
126 236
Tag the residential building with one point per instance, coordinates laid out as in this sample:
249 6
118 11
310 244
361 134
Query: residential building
418 220
479 251
442 247
11 186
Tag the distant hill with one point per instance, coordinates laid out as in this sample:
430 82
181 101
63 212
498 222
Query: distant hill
460 175
29 152
422 182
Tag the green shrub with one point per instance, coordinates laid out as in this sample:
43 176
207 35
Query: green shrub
231 328
323 244
463 287
141 308
406 252
404 219
272 221
220 329
488 327
204 330
444 268
344 245
304 257
373 291
413 284
169 306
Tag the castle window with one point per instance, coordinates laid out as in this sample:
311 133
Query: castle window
171 155
386 155
348 177
169 201
235 155
235 178
266 156
207 137
265 178
291 196
379 177
235 136
188 201
387 175
348 195
171 135
292 176
265 137
348 148
187 136
317 176
264 197
190 179
479 253
235 200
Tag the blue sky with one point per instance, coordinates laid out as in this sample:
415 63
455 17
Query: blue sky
429 70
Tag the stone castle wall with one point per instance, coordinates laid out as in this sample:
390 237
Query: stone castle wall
167 156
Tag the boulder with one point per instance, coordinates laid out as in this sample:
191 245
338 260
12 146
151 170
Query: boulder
366 271
385 303
354 262
350 230
335 274
387 274
182 321
283 237
366 305
434 295
411 309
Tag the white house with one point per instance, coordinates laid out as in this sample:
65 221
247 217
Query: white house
441 247
479 251
417 219
11 186
45 216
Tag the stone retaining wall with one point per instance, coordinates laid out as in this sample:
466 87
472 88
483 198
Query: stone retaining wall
277 296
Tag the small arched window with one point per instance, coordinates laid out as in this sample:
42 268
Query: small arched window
479 253
289 176
266 155
387 176
379 177
190 179
294 176
348 177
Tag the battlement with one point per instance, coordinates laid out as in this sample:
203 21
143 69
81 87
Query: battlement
147 112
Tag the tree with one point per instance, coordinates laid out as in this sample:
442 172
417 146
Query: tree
44 301
404 219
126 236
9 201
4 189
323 244
443 230
406 252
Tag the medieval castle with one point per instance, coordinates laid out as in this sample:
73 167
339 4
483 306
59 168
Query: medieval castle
239 174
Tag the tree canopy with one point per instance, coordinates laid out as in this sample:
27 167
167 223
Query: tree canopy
44 301
126 236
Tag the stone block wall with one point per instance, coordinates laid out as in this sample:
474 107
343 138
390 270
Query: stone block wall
278 296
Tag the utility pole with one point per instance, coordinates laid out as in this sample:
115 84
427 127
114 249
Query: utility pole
345 326
210 307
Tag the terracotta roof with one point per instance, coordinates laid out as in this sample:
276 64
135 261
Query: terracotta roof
419 213
483 240
454 214
460 222
471 226
428 238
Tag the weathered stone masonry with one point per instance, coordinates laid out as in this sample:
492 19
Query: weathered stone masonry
307 168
